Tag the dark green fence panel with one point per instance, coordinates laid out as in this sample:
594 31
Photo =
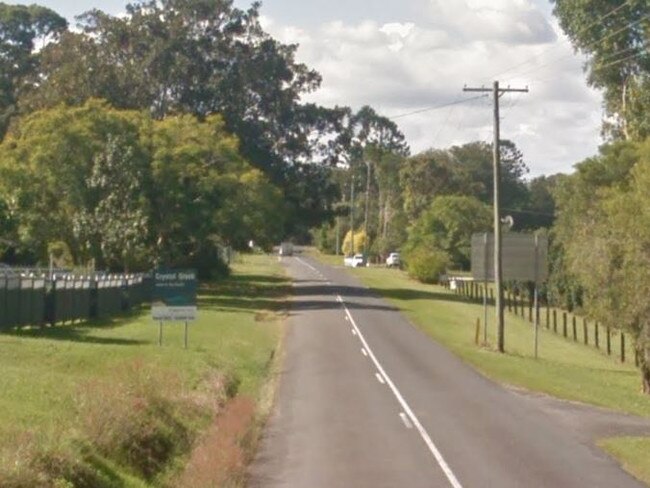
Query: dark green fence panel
84 303
58 301
38 302
13 293
25 307
103 298
4 319
77 300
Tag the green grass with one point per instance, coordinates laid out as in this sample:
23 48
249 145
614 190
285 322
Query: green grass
632 452
46 372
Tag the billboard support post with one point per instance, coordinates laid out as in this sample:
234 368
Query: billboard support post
485 285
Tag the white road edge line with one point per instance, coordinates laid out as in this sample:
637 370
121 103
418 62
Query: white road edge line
380 379
364 352
405 419
302 261
414 420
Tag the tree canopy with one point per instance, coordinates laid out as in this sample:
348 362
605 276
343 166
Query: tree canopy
619 61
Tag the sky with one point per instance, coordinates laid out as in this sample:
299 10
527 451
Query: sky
411 56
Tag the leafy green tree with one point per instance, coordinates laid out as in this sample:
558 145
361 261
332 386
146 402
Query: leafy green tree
46 163
604 214
448 224
463 170
203 57
115 220
22 27
619 62
424 177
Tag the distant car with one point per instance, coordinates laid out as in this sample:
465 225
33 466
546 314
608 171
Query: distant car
355 261
393 261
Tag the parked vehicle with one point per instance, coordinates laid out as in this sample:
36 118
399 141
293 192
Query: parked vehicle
355 261
286 249
393 260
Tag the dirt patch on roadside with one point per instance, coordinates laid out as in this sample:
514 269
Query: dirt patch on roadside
221 455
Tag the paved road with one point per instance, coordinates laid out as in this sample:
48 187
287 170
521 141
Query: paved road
367 400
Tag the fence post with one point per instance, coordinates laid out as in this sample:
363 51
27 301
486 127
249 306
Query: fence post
564 324
530 312
575 329
554 320
622 347
609 341
596 335
509 301
548 315
584 329
515 304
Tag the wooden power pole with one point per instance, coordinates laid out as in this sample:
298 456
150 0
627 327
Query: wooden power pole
498 268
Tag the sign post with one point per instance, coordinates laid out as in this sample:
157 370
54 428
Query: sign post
525 258
174 298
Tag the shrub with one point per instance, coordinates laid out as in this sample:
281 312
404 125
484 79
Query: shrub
426 264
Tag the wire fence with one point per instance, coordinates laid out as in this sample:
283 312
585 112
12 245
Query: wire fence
612 341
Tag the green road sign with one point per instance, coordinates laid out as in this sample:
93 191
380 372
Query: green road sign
174 295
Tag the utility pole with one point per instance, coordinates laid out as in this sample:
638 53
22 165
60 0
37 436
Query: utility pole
498 268
365 223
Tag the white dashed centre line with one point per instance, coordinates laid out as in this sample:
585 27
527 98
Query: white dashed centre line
407 409
406 420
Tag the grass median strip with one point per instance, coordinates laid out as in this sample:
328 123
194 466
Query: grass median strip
103 405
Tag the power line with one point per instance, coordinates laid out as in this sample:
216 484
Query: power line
587 46
622 60
555 46
436 107
644 50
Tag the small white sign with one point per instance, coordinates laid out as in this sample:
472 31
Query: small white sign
180 314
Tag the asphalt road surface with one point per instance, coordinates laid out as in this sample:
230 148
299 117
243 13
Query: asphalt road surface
367 400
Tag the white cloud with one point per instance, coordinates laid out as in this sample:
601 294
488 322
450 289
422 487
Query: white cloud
398 67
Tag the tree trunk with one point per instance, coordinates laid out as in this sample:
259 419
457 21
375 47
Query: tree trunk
387 217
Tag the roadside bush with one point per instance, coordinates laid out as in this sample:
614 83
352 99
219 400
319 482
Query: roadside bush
426 263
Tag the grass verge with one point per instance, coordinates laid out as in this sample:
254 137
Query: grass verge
632 453
103 405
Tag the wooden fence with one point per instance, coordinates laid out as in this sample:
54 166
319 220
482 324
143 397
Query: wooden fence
570 326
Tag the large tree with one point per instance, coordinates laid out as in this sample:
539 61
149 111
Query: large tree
448 225
128 191
204 57
602 228
465 170
23 29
